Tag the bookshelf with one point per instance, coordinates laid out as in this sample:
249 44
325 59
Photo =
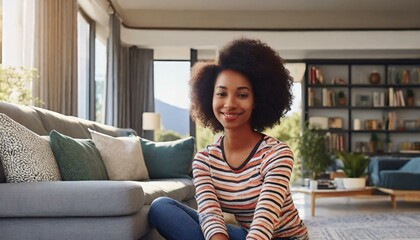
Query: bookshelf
356 100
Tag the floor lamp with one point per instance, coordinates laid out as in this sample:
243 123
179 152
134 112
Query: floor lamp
151 122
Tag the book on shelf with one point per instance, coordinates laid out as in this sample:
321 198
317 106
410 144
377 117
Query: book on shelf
310 97
391 123
378 99
396 98
391 97
335 142
329 98
316 76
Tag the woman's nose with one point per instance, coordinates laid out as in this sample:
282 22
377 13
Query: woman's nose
230 102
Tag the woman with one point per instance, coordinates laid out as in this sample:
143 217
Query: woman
244 172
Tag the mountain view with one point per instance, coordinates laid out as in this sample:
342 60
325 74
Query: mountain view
172 117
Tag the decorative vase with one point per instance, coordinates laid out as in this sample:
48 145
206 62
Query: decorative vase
354 183
410 101
372 147
405 77
342 101
374 77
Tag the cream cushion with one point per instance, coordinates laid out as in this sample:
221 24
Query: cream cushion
123 156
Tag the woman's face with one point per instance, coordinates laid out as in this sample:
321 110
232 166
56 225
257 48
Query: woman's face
233 100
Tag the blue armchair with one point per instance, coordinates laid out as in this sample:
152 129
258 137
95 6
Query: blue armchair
395 173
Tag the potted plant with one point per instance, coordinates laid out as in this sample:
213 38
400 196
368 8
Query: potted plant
341 98
313 151
354 166
410 97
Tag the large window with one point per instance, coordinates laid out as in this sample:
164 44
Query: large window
86 66
83 29
100 73
171 96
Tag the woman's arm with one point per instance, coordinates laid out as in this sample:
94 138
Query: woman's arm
209 210
276 169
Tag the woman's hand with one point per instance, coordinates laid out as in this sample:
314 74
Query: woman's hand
219 236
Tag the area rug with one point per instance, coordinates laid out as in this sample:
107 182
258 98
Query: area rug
375 226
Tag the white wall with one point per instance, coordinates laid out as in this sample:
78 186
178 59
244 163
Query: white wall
293 45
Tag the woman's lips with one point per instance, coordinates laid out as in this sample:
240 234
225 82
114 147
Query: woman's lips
231 116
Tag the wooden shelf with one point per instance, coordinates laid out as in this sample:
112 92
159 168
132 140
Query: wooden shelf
354 74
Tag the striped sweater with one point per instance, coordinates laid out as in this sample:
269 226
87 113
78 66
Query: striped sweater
257 192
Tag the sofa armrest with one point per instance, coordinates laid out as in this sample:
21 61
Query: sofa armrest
376 165
70 199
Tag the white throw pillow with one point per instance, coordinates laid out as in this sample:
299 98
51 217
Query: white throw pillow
123 156
26 157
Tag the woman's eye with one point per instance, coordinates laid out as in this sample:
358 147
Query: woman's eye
221 94
242 95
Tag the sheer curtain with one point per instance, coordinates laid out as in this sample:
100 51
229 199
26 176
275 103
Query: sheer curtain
55 55
113 69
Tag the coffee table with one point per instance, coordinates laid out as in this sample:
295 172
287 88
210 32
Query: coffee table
401 193
319 193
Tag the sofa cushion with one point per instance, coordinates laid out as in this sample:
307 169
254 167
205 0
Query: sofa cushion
399 180
412 166
77 159
123 156
171 159
25 156
43 121
180 189
70 199
378 164
25 115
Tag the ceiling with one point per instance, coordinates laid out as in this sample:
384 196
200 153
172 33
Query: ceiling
269 14
298 29
268 5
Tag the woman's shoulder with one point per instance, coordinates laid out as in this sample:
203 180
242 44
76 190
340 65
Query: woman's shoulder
274 143
214 146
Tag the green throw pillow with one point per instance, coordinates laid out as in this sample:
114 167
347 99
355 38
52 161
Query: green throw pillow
168 159
77 159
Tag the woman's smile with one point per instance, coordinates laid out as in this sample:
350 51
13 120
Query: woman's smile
231 116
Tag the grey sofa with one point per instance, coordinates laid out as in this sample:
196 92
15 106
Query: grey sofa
79 209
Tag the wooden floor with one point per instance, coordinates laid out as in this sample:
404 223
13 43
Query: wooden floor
340 206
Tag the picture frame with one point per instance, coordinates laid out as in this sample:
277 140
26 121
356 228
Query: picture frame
410 124
363 100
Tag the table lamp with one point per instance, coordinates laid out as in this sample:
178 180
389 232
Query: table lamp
151 121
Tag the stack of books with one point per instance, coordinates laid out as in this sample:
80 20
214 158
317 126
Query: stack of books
326 184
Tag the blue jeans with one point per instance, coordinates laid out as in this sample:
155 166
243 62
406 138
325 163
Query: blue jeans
175 221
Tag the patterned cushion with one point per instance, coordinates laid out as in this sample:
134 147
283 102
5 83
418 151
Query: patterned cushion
2 177
77 159
122 156
25 156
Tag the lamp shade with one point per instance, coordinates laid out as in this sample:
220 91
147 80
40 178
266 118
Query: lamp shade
151 121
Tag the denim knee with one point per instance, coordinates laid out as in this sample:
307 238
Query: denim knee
157 206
